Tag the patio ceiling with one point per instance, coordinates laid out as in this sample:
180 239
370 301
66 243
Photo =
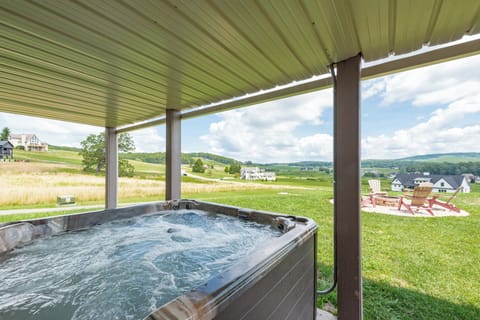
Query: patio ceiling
114 63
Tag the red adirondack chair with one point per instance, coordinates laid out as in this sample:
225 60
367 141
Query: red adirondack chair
445 204
418 200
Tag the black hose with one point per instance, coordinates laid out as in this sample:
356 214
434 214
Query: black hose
334 284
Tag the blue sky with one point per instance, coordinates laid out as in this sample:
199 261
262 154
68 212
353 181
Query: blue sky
434 109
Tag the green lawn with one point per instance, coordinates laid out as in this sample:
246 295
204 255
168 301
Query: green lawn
414 268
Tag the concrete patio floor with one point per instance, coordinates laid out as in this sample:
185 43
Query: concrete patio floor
437 211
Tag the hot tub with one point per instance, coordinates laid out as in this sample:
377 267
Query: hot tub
275 281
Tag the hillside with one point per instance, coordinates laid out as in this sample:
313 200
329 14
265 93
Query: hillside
446 157
146 164
149 157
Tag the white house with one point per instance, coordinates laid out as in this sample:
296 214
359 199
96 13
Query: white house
255 173
441 183
29 141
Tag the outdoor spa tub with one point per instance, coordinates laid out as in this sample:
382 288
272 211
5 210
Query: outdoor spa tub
180 259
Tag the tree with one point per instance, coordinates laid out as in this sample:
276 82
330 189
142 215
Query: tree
94 153
5 134
198 166
125 168
227 169
234 168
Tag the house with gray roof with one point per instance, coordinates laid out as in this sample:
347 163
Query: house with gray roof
441 183
6 150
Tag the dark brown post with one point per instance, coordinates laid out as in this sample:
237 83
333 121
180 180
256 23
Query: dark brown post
347 188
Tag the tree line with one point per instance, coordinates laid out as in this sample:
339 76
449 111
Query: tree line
186 158
442 167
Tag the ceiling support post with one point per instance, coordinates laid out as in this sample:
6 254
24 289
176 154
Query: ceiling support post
173 155
347 189
111 174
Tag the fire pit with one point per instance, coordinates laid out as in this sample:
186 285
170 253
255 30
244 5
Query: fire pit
386 201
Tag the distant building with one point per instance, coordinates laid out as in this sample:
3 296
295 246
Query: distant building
29 141
255 173
441 183
307 169
470 177
6 150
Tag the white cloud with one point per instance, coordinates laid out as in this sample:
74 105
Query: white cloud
372 88
443 132
439 84
452 87
266 132
148 140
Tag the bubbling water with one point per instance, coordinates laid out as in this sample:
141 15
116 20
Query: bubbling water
123 269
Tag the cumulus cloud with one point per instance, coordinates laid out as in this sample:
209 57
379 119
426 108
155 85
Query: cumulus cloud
439 84
453 88
148 140
266 132
444 131
372 88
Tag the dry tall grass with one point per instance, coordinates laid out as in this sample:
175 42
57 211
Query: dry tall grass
33 184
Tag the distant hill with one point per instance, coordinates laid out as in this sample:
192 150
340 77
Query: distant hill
159 158
446 157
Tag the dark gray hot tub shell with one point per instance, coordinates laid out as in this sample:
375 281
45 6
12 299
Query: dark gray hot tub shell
278 281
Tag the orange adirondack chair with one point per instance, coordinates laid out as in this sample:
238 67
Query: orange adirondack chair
375 190
418 200
445 204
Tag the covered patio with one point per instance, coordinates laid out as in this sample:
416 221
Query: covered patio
126 65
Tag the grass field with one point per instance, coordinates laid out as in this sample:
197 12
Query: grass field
413 268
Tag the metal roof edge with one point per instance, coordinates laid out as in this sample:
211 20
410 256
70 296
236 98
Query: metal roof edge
458 51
